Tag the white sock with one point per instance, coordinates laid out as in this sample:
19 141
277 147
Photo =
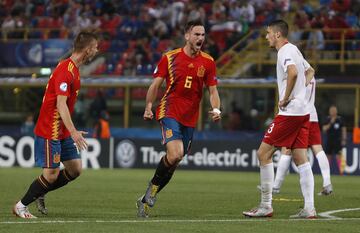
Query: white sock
282 168
266 181
307 184
324 167
20 204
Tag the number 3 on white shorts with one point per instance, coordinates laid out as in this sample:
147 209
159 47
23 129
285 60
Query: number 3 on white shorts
271 128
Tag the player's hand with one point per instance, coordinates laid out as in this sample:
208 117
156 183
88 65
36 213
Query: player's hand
215 114
148 114
79 140
283 104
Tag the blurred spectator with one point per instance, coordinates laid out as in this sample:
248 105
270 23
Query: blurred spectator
316 39
27 128
341 6
97 106
102 126
247 11
79 112
335 130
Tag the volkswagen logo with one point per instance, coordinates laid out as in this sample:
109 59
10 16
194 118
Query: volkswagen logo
126 153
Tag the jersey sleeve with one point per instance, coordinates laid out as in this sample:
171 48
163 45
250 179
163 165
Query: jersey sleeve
161 69
63 83
306 65
287 58
211 79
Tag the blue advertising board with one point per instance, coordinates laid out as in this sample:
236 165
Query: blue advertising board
33 53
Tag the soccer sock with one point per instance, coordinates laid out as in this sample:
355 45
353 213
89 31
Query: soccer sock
161 171
307 184
39 187
267 180
167 177
62 179
282 168
324 167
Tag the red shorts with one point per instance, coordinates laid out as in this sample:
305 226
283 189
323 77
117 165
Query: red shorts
314 134
288 131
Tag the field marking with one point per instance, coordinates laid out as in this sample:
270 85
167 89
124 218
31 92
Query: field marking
177 221
328 214
287 199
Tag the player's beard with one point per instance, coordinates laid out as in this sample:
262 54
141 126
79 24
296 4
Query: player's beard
196 47
88 58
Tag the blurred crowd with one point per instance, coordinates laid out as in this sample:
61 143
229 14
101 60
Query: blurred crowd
136 32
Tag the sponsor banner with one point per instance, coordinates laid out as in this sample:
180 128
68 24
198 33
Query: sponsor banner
33 53
142 153
216 155
20 152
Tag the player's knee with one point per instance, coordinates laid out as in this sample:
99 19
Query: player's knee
175 156
260 155
75 173
51 178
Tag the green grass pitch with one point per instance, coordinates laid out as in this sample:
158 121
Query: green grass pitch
194 201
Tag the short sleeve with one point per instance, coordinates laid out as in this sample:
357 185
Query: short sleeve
161 70
211 79
306 65
63 83
286 58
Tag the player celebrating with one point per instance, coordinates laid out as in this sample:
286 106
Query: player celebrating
314 143
185 70
290 127
56 138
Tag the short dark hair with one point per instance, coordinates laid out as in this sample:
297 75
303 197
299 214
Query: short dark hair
83 39
280 26
189 25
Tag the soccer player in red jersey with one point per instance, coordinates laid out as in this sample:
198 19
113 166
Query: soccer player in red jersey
290 127
56 138
185 71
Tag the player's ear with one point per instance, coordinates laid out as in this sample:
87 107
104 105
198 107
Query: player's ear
187 36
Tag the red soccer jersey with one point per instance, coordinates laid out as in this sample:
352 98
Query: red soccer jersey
65 80
185 77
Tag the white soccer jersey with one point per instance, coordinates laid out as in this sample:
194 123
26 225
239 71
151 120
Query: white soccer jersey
289 54
310 97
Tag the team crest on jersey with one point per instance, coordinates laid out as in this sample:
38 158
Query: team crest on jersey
191 65
63 86
57 158
201 71
169 133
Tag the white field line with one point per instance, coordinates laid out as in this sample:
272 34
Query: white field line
329 214
145 221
